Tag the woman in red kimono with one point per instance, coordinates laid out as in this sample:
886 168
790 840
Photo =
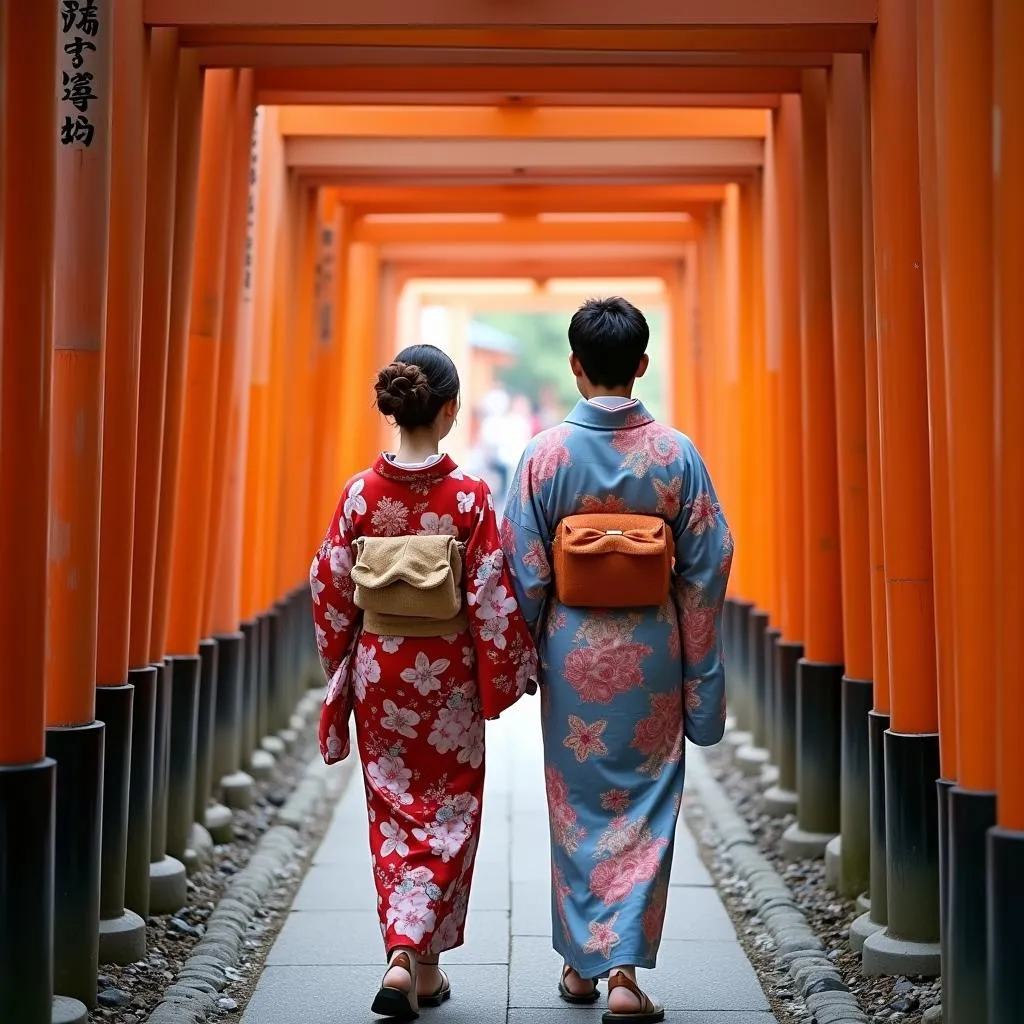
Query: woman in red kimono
419 702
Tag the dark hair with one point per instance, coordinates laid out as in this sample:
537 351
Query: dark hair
416 385
609 338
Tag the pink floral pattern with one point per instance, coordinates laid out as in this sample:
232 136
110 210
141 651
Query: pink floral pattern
549 454
584 740
646 445
659 736
565 830
610 661
633 855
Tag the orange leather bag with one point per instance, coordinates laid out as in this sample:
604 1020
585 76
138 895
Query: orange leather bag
612 560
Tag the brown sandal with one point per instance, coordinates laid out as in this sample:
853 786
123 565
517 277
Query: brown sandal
393 1002
649 1013
576 998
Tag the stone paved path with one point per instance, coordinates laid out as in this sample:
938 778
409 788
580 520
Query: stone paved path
327 961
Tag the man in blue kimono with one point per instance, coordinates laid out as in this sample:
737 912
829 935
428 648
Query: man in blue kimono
620 687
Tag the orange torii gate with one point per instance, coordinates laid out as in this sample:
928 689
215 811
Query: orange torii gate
225 360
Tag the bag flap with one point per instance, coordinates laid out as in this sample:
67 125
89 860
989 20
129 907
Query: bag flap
604 533
423 562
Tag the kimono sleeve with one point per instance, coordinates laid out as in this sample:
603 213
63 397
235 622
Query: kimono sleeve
335 621
704 549
527 551
505 656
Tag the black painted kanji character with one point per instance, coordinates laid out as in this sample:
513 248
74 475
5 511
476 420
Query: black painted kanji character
75 50
77 130
78 89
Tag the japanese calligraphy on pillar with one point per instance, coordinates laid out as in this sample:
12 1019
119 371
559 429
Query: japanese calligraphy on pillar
83 171
325 284
82 28
250 216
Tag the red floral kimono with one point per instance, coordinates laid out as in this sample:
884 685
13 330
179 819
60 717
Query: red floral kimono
419 702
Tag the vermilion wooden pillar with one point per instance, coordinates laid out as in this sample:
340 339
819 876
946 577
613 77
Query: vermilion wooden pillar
28 137
74 738
875 901
786 135
849 855
964 148
222 598
1006 841
193 663
122 932
820 671
942 553
155 882
909 945
170 756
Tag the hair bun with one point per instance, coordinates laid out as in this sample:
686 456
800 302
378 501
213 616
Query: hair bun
402 389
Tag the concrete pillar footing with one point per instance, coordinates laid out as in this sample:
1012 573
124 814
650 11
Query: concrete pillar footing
68 1011
730 723
297 723
885 954
833 862
122 939
261 764
778 802
735 740
219 822
238 790
864 903
800 845
769 776
861 928
751 760
273 745
200 849
168 886
289 737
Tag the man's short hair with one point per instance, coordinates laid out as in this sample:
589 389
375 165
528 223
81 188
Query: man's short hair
609 338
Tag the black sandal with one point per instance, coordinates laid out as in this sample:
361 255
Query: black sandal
393 1002
576 999
442 995
649 1013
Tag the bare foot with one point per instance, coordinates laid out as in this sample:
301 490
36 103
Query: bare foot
621 1000
576 985
399 978
428 977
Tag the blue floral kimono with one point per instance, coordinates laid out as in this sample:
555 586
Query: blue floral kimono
619 688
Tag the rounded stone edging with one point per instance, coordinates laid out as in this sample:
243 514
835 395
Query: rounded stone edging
192 997
823 990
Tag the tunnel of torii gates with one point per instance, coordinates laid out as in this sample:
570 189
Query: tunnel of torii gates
209 210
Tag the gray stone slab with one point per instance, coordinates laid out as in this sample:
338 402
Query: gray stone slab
332 887
592 1015
531 908
687 867
704 975
697 913
321 938
342 995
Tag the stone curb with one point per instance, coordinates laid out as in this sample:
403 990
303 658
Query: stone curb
824 992
192 998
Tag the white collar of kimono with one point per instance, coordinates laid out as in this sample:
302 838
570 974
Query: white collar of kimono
600 417
433 460
612 402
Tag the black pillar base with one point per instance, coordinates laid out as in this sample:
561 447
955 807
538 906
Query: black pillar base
204 729
818 724
745 703
1005 914
910 943
161 761
757 673
181 777
122 934
942 788
140 791
855 787
875 918
971 815
234 786
772 639
78 751
789 656
250 684
28 795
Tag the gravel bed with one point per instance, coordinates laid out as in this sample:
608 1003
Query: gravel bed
895 999
128 994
